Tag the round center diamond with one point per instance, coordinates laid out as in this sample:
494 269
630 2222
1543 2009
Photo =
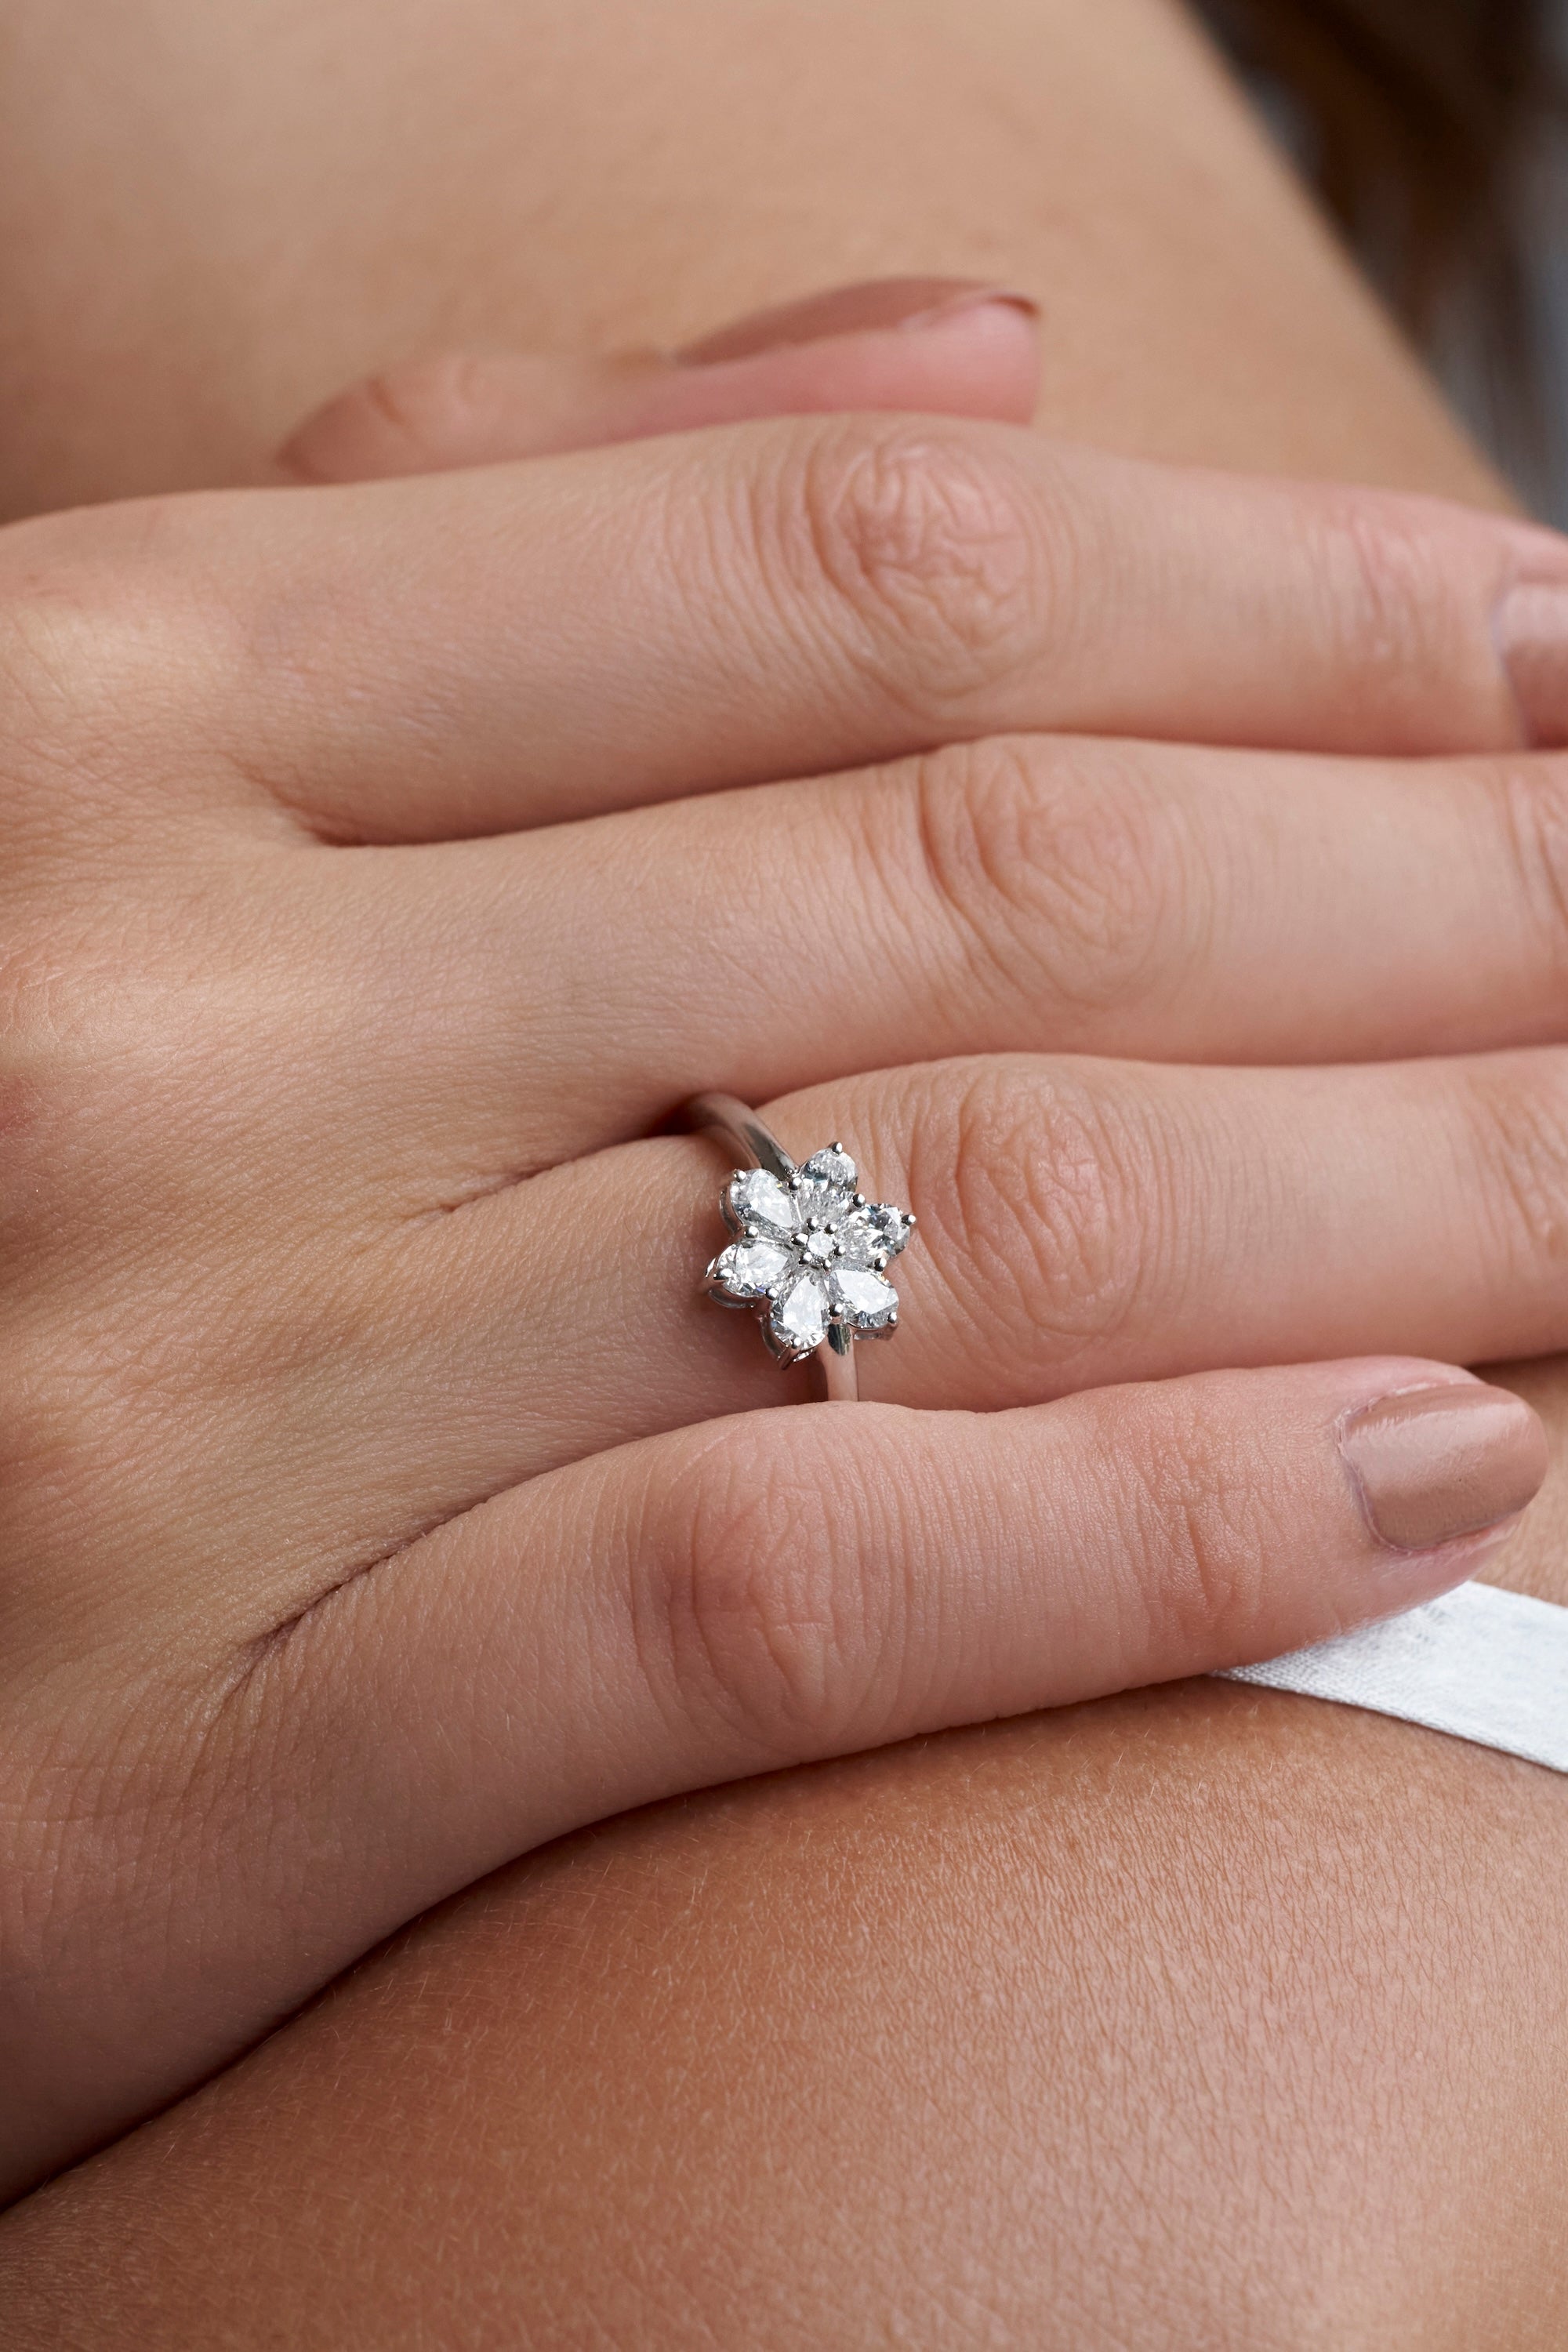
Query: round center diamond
820 1248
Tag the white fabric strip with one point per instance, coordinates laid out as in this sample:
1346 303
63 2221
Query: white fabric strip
1485 1665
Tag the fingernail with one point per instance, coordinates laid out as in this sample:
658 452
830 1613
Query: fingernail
1532 639
906 305
1436 1465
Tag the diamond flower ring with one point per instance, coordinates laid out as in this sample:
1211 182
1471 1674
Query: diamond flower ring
810 1251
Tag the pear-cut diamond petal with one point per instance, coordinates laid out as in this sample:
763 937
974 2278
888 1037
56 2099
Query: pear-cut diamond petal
758 1198
749 1269
866 1301
800 1317
826 1187
831 1167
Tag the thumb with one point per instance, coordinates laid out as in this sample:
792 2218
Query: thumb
940 344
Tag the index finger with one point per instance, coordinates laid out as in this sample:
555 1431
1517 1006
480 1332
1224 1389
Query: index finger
477 652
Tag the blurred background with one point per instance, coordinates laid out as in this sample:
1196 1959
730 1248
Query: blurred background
1436 134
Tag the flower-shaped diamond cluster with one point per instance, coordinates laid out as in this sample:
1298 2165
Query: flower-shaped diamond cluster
810 1255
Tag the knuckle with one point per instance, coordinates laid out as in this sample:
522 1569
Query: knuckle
1047 1204
1406 587
1519 1117
1065 870
1397 607
922 539
741 1619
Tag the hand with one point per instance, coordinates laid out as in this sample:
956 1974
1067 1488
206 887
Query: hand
362 1518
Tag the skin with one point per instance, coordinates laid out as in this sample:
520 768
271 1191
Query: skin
340 1513
186 274
1356 1854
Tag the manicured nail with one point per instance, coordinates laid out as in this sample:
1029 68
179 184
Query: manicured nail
904 305
1532 638
1437 1464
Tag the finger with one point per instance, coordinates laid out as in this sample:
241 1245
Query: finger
804 1584
1026 894
482 650
941 345
719 1602
1081 1223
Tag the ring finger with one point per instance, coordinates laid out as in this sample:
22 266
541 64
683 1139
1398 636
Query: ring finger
1081 1223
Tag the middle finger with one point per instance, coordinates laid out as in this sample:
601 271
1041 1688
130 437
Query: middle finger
1026 894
